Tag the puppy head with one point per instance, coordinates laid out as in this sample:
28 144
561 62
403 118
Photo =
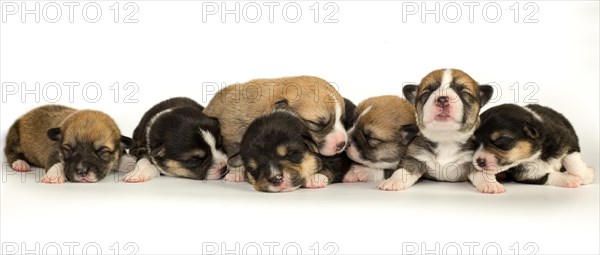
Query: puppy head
384 127
90 145
323 109
447 100
186 143
277 153
508 135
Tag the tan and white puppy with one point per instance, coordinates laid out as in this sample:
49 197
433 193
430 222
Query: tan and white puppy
382 130
312 99
447 103
76 145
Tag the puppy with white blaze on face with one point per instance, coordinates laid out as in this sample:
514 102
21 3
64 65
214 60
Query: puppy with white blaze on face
447 103
532 144
175 138
312 99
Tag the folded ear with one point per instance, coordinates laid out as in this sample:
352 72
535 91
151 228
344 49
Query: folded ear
348 119
485 93
158 152
281 105
408 133
54 134
410 92
531 130
126 142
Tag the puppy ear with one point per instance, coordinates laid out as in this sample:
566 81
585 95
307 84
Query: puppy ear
408 133
410 92
485 93
54 134
531 130
348 120
281 105
126 142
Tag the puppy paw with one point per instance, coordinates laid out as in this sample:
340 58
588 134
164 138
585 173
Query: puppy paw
570 181
20 166
236 174
143 171
587 175
316 181
358 173
351 176
126 163
54 175
393 184
490 187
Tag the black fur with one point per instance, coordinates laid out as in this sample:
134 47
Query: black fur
175 134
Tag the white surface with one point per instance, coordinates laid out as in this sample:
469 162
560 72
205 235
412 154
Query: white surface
370 51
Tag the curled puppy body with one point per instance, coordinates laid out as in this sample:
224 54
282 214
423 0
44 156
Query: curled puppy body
73 145
176 139
312 99
379 137
279 155
447 103
533 144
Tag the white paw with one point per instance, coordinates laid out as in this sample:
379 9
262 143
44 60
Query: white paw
570 181
236 174
587 176
316 181
144 171
54 175
351 176
490 187
394 184
20 166
359 173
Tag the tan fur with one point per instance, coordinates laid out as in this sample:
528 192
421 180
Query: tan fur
458 75
237 105
521 150
77 127
386 115
281 150
175 169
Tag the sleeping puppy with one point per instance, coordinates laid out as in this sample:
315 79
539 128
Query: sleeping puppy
279 155
312 99
176 139
447 103
384 127
76 145
534 144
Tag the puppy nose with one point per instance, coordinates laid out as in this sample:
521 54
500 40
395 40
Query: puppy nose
443 100
82 171
481 162
276 180
340 146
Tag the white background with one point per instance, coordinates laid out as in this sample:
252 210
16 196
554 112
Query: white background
178 48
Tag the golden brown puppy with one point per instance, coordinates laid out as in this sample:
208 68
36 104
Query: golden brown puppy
383 128
313 99
81 146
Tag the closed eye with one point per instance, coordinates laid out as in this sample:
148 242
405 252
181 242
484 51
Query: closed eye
504 143
194 161
316 126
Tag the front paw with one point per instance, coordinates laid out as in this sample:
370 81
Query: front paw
235 174
393 184
570 181
587 175
20 166
358 173
136 176
490 188
143 171
316 181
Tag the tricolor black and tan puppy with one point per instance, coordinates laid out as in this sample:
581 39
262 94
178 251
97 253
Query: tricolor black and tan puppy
312 99
379 137
279 155
447 103
176 139
534 144
79 145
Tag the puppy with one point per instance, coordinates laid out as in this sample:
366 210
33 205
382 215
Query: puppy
176 139
279 155
534 144
384 127
312 99
79 146
447 103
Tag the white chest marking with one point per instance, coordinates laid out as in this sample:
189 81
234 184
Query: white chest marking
446 164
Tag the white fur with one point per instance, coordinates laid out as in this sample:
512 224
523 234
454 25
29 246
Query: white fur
20 166
359 117
446 79
55 174
362 173
446 163
148 129
400 180
126 163
486 182
565 180
144 170
576 166
535 115
316 181
338 134
219 158
235 174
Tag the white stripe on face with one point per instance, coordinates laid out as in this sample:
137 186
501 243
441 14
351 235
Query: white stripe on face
358 118
446 80
148 130
218 156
